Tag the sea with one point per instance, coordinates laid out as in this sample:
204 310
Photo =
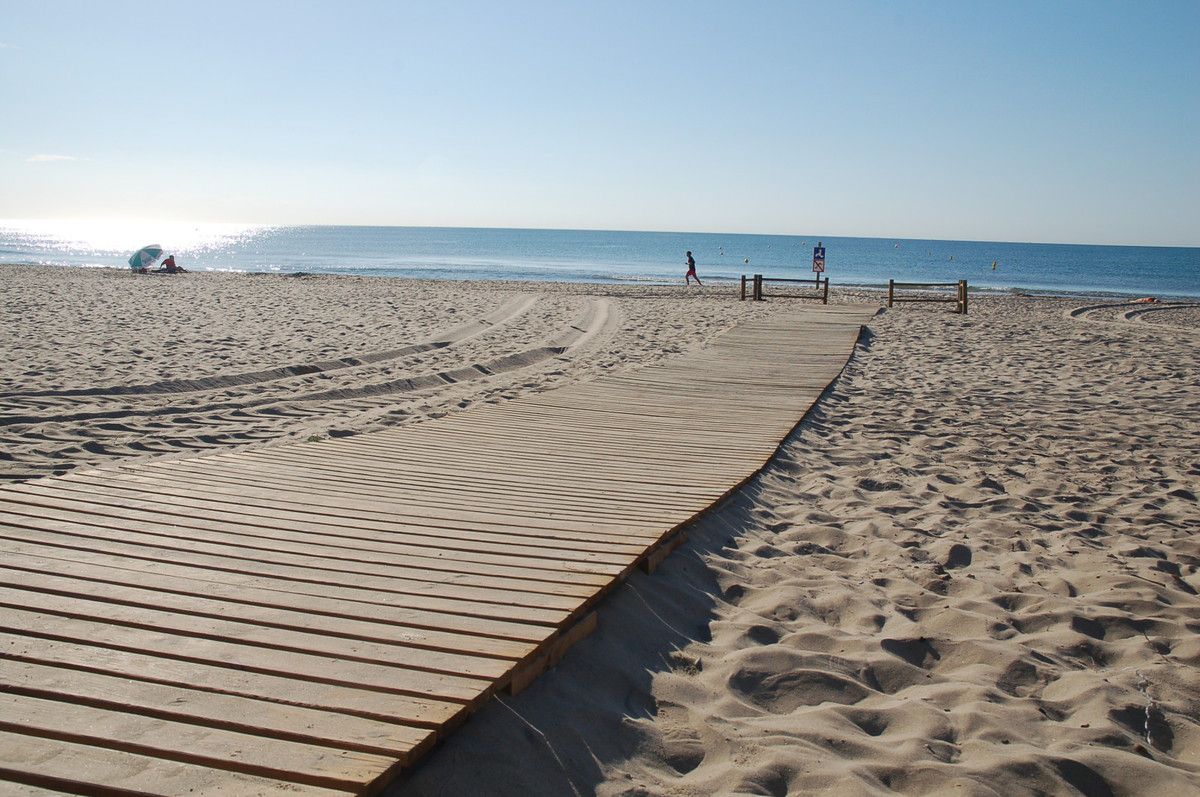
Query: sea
603 256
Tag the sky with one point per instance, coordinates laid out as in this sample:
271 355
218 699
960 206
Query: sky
1071 122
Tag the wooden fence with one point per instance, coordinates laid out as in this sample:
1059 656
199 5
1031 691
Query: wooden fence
820 288
959 299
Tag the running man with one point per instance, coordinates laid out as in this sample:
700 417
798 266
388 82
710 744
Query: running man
691 272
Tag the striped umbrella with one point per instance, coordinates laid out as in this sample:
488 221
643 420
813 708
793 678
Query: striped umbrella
145 257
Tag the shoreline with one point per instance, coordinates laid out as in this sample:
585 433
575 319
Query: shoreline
855 288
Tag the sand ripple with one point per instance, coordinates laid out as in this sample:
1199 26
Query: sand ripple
974 571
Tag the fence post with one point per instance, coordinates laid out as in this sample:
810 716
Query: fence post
758 293
825 296
962 294
743 288
891 291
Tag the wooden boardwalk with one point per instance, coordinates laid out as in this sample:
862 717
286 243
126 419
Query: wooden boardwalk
313 617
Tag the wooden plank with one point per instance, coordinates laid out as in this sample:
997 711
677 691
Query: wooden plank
489 466
414 588
453 671
79 767
438 495
12 789
541 463
705 472
538 546
264 593
621 440
535 666
657 555
342 568
501 486
280 502
167 597
533 564
215 710
545 470
467 608
183 644
259 756
223 678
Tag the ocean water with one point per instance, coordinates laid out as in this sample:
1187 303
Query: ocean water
608 256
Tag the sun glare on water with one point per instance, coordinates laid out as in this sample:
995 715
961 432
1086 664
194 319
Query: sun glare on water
115 236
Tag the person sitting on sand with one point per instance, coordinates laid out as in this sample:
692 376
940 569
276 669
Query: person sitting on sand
691 272
169 267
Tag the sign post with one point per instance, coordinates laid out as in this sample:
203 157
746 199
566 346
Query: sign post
819 261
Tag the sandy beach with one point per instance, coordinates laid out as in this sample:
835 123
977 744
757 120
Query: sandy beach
973 569
102 365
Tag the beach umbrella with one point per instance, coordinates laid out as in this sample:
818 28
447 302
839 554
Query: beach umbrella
145 257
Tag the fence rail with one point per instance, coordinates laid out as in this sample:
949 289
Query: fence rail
959 299
820 288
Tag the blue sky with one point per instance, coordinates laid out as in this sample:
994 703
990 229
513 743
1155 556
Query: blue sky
1071 122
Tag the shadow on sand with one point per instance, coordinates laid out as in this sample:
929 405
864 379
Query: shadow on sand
554 737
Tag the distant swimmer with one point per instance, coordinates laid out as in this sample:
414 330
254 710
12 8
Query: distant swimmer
691 272
746 261
993 265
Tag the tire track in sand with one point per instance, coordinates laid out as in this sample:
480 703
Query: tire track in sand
166 430
485 323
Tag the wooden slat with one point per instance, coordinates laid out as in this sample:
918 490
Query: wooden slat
225 678
351 536
148 593
182 641
277 503
531 565
453 673
312 616
439 496
467 604
215 710
80 767
262 592
183 742
513 586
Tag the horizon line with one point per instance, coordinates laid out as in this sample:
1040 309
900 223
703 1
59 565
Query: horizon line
148 220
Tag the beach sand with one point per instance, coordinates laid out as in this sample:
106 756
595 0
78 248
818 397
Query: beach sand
104 366
973 569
